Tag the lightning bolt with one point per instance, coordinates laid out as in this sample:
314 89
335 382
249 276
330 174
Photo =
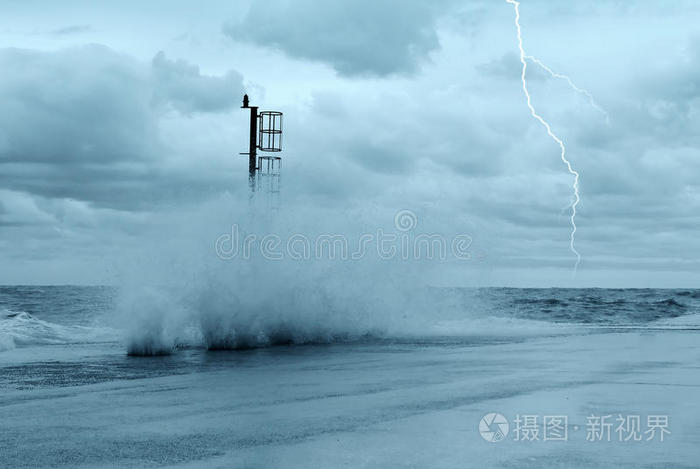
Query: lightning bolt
573 86
553 136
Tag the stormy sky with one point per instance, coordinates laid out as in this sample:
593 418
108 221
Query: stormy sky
115 118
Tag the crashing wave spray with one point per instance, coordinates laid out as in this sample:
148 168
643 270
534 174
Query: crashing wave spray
554 137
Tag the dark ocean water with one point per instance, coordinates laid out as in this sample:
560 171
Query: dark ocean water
65 335
81 306
605 306
66 305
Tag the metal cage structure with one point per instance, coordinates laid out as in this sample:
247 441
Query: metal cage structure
265 136
268 179
269 165
270 131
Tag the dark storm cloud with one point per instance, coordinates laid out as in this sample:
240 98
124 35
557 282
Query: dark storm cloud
392 141
86 104
83 123
671 102
362 37
75 29
181 84
509 67
650 147
134 187
380 158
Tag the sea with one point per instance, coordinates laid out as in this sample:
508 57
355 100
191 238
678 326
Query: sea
50 322
77 392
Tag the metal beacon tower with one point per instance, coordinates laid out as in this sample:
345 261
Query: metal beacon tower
266 136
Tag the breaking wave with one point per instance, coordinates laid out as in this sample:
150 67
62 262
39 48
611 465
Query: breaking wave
183 295
221 319
218 319
21 329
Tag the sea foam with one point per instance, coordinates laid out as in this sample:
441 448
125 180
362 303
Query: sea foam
21 329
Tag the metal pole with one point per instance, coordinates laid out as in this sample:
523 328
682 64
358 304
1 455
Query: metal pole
252 160
253 145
